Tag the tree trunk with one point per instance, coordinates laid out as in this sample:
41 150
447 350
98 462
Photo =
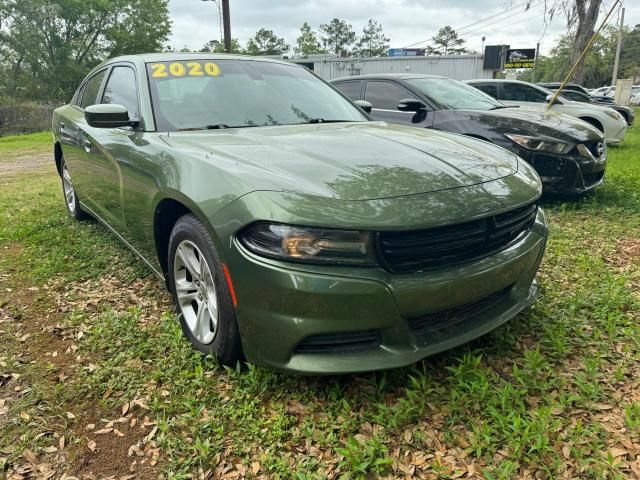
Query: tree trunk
585 16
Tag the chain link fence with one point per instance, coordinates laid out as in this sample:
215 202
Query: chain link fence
26 117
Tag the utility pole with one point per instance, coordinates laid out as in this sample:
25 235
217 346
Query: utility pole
226 20
614 77
535 63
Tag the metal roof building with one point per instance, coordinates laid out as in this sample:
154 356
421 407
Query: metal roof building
459 67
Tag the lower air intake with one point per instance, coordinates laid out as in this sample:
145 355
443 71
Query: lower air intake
343 342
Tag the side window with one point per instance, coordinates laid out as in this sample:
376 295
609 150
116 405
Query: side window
78 96
490 89
121 89
518 92
90 94
386 95
350 89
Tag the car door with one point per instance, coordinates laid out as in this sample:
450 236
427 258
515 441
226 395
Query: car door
70 125
109 149
512 93
384 96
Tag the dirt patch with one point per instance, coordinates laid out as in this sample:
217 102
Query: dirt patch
16 165
83 438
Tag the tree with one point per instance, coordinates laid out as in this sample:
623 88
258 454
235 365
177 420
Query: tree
373 42
216 46
598 62
581 14
265 42
48 46
337 35
629 64
307 43
447 42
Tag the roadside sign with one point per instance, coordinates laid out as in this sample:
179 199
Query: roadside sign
406 52
520 58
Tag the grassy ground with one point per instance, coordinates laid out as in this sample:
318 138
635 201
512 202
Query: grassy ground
95 378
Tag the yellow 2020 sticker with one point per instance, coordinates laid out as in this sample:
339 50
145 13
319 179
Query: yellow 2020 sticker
180 69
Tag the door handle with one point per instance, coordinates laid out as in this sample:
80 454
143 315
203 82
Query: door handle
61 125
87 145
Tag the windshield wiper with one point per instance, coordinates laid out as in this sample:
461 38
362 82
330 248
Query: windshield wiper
496 107
322 120
215 126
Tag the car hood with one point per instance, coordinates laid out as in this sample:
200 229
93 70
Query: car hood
532 121
349 161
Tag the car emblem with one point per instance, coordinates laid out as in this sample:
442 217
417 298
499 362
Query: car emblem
600 149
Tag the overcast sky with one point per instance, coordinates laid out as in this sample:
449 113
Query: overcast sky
406 22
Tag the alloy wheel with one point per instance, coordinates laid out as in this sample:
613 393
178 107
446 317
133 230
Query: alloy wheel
69 192
196 291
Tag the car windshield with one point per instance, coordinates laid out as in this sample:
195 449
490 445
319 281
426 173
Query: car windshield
455 95
201 94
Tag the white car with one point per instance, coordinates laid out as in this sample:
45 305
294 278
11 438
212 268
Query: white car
514 92
602 91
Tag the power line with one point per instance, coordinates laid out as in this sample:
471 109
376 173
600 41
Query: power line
501 14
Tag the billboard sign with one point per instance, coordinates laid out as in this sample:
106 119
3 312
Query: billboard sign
406 52
520 58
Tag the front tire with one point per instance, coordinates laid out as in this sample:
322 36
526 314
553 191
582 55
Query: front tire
200 292
70 197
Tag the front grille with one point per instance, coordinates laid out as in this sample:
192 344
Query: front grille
404 252
438 321
342 342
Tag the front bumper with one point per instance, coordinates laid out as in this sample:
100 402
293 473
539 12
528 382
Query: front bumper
615 135
566 174
406 317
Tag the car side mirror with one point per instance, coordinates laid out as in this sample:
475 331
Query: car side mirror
364 105
107 116
550 97
411 105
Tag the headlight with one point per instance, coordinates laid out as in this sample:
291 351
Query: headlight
311 245
539 144
610 112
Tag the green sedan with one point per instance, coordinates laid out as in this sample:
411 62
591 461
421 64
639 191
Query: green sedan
291 230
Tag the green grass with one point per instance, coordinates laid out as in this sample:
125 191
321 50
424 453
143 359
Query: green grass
553 392
29 142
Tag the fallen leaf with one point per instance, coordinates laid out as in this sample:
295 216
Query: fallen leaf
24 416
107 393
617 452
90 426
117 432
70 415
51 449
102 431
30 456
91 445
125 409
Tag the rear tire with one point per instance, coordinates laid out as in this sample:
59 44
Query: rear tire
200 292
70 197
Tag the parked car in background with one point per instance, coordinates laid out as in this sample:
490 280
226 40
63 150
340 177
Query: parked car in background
568 154
574 87
627 113
515 92
605 91
291 229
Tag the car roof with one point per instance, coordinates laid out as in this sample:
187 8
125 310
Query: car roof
387 76
182 56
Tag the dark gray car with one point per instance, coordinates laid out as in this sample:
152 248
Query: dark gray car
568 154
